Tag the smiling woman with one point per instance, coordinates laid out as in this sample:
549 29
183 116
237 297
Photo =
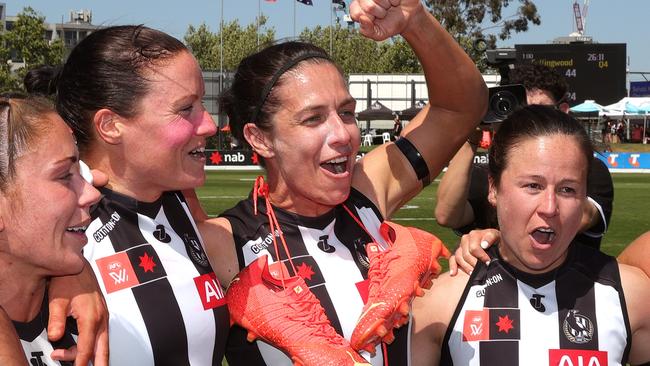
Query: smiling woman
44 211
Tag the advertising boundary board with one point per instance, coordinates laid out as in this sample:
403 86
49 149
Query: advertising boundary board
616 162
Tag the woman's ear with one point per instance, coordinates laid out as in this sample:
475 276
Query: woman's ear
108 126
492 194
258 140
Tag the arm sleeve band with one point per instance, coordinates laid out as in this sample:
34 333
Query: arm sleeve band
415 159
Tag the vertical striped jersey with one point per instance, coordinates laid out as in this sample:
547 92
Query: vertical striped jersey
33 338
329 253
572 316
165 303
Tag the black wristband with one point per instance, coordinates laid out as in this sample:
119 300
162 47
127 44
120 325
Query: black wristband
415 159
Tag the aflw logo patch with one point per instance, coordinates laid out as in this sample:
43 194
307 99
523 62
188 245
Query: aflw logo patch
130 268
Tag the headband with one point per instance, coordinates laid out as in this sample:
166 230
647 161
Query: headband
274 79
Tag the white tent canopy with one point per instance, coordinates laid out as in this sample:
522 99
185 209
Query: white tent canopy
628 107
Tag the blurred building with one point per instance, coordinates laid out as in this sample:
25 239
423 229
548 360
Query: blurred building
77 27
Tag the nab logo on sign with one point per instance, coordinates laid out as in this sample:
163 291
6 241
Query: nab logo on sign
569 357
116 272
210 291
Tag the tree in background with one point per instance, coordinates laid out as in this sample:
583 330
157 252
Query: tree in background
468 20
357 54
238 42
26 41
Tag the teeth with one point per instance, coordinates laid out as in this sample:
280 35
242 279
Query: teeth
77 229
546 230
200 150
342 159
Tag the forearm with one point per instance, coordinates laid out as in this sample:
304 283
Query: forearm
636 254
451 204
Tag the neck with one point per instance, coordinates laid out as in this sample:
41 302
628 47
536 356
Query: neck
120 178
282 196
21 289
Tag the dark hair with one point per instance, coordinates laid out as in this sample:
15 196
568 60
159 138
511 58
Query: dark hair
535 76
107 69
529 122
23 120
42 80
245 101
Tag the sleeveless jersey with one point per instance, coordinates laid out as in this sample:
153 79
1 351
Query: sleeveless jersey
574 315
165 303
33 338
329 253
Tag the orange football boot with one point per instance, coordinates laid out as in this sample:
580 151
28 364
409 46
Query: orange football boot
286 314
396 275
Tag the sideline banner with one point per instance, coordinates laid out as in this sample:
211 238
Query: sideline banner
629 162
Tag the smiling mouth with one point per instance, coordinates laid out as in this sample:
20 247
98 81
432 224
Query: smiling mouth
336 166
543 235
198 152
77 229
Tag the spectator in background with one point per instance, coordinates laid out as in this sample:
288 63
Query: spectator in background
397 127
462 202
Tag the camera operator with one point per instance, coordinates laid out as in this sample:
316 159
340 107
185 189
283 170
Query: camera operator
462 194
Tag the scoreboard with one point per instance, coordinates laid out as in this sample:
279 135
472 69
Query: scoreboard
594 71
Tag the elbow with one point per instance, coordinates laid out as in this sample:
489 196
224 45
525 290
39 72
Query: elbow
443 218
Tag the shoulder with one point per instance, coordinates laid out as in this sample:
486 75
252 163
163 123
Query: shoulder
636 286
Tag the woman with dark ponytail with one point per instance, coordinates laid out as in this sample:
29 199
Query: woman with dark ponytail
132 96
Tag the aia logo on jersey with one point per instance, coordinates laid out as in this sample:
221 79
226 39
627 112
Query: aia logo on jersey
117 272
491 324
210 291
570 357
577 327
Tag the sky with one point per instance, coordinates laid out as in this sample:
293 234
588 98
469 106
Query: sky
607 21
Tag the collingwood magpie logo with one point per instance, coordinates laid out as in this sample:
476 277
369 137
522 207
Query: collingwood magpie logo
161 235
578 328
195 250
536 302
324 245
360 251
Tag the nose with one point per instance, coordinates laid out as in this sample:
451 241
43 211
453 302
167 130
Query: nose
548 206
88 194
206 126
339 133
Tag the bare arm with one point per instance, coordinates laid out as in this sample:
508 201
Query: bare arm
432 314
452 208
457 101
636 254
11 352
81 297
636 286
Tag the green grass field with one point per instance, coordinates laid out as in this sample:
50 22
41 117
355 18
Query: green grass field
630 218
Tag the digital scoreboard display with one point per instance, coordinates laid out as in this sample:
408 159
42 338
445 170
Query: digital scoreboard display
594 71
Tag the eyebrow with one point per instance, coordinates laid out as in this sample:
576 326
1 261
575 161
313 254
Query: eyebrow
317 107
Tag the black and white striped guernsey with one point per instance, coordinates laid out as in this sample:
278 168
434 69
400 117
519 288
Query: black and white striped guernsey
572 316
329 253
165 303
33 338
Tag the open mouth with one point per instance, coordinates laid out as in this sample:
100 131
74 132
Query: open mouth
198 152
77 229
336 166
543 235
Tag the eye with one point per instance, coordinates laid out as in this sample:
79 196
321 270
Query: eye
347 115
66 177
187 109
533 186
568 190
316 118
